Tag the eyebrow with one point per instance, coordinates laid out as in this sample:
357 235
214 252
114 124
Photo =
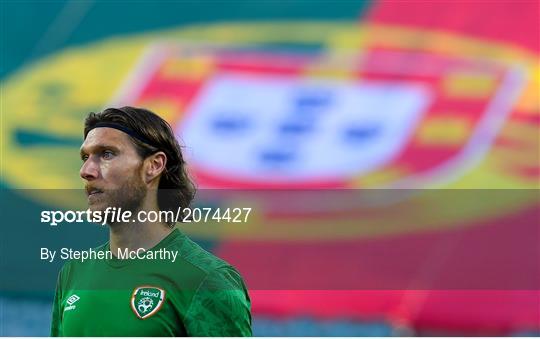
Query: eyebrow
98 148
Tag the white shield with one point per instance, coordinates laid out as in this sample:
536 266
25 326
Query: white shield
289 129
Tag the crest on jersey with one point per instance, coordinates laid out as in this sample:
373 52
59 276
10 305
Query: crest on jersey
147 300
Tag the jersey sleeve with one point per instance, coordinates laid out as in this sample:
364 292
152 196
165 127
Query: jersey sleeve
56 323
220 307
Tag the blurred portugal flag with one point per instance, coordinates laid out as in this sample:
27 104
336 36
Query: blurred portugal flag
392 162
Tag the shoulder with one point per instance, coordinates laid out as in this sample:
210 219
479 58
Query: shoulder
214 274
221 283
221 305
207 263
224 278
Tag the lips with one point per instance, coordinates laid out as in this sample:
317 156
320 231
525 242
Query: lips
92 191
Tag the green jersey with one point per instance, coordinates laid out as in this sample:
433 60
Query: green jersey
196 294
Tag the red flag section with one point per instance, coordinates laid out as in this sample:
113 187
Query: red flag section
514 22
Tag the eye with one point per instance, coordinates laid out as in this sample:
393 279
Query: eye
107 155
84 157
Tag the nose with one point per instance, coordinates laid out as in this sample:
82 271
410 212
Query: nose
89 170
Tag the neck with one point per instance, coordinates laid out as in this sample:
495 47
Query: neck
135 235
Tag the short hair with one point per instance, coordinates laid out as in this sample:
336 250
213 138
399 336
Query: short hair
175 189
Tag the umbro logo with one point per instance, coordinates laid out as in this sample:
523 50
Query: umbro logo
70 301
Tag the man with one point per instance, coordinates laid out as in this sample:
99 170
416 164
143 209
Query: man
132 161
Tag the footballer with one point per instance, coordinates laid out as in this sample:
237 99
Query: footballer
132 161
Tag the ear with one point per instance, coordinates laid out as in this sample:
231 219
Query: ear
154 165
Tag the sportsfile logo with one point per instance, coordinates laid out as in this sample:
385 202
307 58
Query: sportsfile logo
70 301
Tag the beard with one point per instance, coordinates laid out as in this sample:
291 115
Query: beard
128 197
